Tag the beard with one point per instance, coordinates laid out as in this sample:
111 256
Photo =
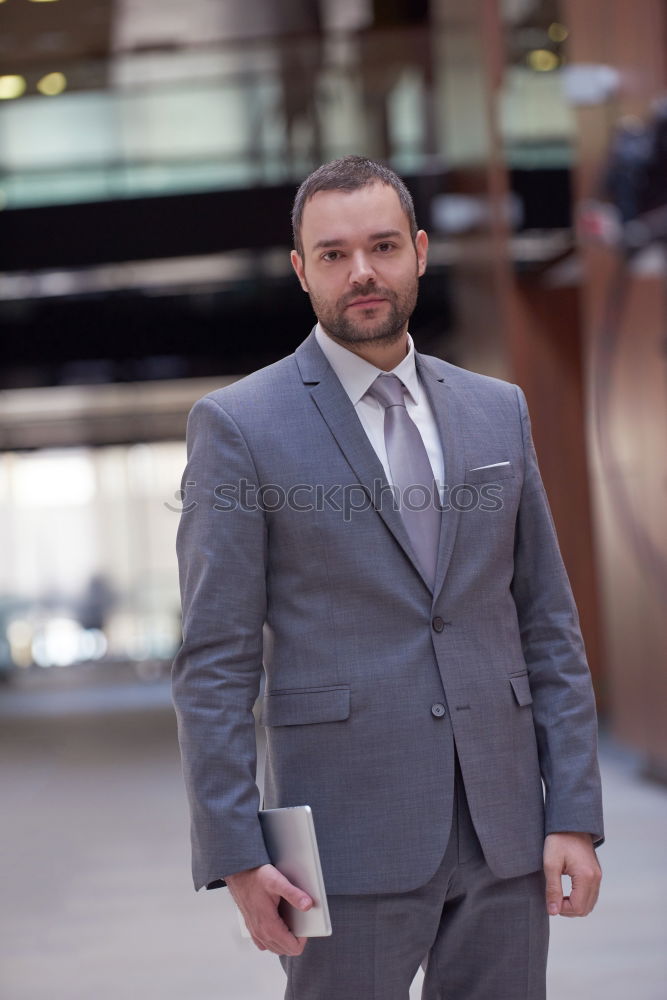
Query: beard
388 329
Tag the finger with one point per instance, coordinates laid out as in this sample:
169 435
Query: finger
289 941
277 937
554 890
583 896
296 945
567 908
572 910
297 897
299 945
585 887
279 948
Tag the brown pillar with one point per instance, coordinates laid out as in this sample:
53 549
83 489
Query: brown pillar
511 327
624 318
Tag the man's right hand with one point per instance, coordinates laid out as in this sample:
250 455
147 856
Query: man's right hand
257 893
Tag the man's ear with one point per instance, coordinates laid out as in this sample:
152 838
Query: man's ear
421 248
297 264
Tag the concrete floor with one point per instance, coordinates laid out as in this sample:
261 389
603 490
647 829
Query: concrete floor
97 902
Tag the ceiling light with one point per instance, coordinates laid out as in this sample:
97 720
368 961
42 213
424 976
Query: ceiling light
11 87
558 32
542 60
52 84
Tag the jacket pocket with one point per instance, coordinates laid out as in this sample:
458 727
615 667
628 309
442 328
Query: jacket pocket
304 706
521 689
490 475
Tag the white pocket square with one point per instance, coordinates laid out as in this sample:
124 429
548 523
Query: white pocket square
494 465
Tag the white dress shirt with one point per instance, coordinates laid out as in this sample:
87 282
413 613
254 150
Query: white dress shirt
357 375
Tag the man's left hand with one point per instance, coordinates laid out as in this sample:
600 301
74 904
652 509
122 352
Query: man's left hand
571 854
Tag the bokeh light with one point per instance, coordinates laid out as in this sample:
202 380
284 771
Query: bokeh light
558 32
52 84
11 87
542 60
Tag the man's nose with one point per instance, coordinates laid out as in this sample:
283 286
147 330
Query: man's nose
361 269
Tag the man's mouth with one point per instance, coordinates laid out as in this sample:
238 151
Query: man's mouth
368 303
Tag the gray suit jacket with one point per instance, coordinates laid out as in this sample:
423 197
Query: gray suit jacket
364 655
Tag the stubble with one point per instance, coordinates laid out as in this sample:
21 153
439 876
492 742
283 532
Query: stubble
387 329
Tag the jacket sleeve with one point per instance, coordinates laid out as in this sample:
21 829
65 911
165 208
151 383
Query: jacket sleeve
563 700
221 547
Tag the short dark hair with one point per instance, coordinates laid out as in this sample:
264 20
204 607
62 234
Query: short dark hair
349 174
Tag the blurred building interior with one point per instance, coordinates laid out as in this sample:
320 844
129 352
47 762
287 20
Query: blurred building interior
149 155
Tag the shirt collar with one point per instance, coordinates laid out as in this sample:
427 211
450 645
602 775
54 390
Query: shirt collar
357 375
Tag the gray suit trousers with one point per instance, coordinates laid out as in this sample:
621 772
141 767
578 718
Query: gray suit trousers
477 936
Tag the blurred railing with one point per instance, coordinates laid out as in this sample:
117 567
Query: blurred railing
251 113
234 115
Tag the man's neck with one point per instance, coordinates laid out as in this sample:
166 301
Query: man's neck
381 355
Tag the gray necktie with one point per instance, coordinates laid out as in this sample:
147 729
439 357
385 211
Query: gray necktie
410 467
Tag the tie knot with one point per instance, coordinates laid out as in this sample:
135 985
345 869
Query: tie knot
388 390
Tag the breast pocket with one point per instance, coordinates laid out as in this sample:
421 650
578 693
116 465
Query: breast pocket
492 474
306 706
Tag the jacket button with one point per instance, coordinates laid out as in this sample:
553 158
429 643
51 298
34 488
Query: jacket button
437 710
438 624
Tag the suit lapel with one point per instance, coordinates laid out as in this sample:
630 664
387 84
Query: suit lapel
446 409
340 416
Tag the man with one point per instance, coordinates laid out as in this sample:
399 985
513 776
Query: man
426 671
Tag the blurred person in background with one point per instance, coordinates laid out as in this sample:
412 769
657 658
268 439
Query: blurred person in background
96 602
383 513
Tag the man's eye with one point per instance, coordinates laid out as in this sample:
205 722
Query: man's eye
331 255
385 247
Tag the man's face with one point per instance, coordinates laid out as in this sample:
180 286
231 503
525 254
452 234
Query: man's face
360 266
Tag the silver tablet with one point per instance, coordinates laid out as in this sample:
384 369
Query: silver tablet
289 835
